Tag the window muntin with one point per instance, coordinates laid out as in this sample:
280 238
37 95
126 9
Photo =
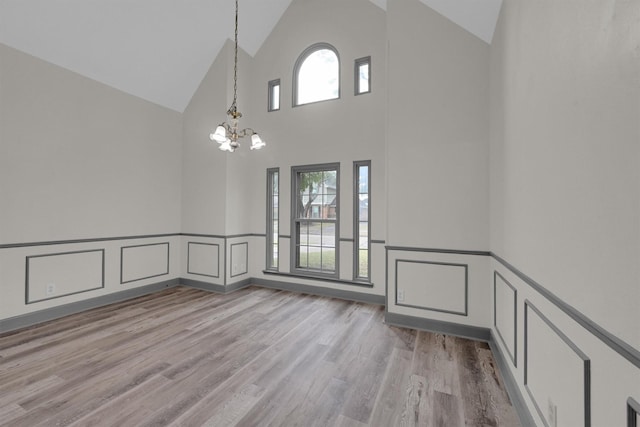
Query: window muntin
274 95
316 75
362 220
273 218
315 222
362 81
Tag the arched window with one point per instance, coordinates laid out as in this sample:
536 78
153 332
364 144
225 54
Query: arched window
316 76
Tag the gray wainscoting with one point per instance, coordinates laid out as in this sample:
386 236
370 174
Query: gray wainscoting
199 250
161 258
633 412
49 270
499 280
239 259
581 358
464 287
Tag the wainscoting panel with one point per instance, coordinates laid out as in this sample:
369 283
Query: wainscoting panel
439 285
434 286
141 262
42 280
203 259
239 261
54 275
557 374
633 413
562 356
505 315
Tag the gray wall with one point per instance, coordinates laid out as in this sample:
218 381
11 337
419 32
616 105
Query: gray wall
565 197
80 160
437 166
438 131
204 179
565 158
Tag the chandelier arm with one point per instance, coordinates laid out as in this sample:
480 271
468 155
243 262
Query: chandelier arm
244 132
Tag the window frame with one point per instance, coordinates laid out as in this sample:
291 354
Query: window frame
356 220
295 236
298 64
271 85
270 220
356 71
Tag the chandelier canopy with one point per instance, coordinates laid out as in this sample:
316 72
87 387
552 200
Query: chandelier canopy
227 134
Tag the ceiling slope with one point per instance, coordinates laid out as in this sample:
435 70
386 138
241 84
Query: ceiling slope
160 50
479 17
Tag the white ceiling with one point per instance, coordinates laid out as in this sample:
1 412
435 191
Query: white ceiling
160 50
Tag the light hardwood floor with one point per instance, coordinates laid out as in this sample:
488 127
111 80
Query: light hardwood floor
256 357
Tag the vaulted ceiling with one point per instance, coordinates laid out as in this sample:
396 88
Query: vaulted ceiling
160 50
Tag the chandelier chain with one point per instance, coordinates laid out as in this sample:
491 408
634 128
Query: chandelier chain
235 64
228 133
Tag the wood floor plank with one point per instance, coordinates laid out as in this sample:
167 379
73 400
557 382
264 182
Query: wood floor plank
15 394
343 421
188 391
255 357
386 411
477 399
372 352
495 388
267 368
283 386
417 403
122 408
333 399
75 401
447 410
234 409
297 331
10 412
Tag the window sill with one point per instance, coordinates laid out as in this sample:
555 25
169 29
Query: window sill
361 284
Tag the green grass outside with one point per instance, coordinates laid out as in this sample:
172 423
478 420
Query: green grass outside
327 261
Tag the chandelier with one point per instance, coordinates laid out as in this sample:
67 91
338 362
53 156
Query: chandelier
227 134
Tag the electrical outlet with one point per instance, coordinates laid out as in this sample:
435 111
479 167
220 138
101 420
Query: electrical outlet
552 414
400 295
50 289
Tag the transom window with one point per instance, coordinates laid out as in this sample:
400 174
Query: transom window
362 83
274 95
315 225
316 76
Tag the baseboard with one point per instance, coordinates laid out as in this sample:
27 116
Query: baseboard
212 287
239 285
439 326
510 384
318 290
30 319
205 286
